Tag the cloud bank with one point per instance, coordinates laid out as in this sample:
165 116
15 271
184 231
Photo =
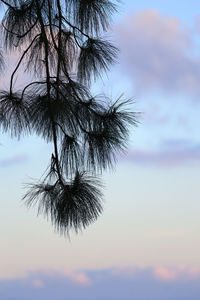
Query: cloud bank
113 284
157 53
164 157
171 153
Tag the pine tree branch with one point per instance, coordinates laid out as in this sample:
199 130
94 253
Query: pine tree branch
75 27
50 25
84 132
30 84
19 63
7 4
48 95
59 45
17 34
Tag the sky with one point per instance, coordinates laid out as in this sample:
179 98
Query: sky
146 244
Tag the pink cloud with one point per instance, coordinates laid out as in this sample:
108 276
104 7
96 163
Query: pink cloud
156 53
165 274
80 278
194 272
38 283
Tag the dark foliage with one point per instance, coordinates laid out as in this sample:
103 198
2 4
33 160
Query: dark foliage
91 16
15 114
59 41
95 56
72 205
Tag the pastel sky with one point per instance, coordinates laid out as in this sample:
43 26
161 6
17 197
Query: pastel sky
147 241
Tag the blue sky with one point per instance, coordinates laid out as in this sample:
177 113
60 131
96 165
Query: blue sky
148 233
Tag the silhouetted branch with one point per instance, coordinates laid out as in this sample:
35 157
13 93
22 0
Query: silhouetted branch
19 63
60 43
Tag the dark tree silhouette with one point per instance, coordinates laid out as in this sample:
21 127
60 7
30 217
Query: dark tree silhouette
59 41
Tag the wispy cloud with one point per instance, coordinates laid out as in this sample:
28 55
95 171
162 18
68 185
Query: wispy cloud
156 53
17 159
171 153
114 284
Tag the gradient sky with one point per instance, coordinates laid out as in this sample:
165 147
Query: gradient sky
149 233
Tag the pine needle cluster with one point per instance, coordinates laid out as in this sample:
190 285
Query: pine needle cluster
60 43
